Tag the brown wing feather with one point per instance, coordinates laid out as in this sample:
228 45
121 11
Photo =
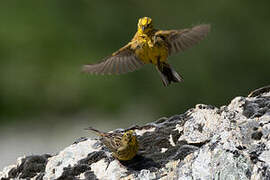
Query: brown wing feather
120 62
112 141
180 40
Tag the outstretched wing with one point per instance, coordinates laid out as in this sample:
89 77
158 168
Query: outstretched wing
120 62
180 40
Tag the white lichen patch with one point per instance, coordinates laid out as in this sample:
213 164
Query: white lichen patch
6 170
163 150
172 164
201 126
141 132
81 176
113 171
170 170
265 156
146 175
179 128
200 167
171 140
237 104
68 157
4 174
99 168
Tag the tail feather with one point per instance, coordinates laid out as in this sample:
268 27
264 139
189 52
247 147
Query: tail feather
168 74
95 130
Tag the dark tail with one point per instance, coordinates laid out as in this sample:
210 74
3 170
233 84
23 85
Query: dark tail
168 74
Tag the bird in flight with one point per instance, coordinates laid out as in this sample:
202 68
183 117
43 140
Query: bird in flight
150 45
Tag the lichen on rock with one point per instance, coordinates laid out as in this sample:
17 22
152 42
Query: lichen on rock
206 142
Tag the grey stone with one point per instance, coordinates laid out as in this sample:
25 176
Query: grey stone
231 142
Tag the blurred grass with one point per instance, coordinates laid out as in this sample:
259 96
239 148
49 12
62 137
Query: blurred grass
43 45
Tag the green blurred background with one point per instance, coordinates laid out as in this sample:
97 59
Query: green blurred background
45 100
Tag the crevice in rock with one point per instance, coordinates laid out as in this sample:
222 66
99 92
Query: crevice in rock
93 157
30 166
254 154
199 144
71 172
257 135
256 108
83 166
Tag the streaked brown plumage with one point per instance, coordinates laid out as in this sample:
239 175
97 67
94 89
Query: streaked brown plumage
123 146
153 46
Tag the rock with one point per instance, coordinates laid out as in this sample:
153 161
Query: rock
206 142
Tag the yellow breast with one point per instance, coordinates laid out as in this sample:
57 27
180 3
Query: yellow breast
128 152
150 51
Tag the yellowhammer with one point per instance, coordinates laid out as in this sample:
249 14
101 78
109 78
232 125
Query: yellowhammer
123 146
150 45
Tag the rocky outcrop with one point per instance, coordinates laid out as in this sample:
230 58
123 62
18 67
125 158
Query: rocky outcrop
206 142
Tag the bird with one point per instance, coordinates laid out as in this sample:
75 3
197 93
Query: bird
124 147
150 45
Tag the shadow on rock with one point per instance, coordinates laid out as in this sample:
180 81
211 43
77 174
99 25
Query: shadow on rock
139 162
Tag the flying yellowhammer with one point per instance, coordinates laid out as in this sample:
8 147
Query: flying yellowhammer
150 45
123 146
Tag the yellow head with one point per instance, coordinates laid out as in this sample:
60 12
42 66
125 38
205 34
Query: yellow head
145 25
130 138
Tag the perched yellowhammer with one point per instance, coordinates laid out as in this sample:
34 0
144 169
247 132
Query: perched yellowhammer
150 45
123 146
